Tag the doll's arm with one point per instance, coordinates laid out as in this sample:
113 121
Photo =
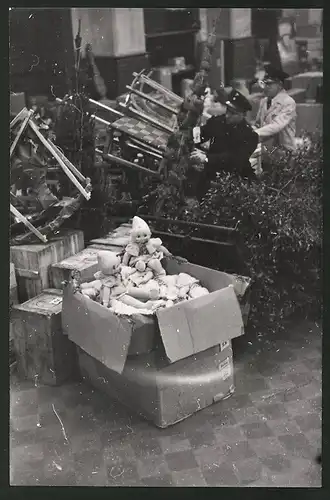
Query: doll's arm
166 252
126 258
131 250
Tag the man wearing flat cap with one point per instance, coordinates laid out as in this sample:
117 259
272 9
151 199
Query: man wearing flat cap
276 118
232 141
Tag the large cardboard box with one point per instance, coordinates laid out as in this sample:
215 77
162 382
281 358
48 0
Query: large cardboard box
43 353
162 392
32 262
183 331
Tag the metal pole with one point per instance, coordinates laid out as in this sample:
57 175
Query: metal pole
101 105
140 148
152 149
125 163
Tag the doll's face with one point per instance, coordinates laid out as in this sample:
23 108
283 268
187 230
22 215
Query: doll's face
141 236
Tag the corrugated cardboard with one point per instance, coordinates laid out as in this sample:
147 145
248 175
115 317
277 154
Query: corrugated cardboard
33 261
104 335
185 329
161 392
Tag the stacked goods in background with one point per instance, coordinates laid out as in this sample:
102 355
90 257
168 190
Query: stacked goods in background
32 262
163 392
44 354
168 366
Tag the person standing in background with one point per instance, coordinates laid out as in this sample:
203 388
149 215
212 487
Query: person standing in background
276 119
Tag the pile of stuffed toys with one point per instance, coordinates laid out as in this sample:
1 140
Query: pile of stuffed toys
136 282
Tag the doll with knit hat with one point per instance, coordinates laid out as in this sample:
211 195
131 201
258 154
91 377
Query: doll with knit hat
143 251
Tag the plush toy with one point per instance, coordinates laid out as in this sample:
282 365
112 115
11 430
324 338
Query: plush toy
197 290
143 251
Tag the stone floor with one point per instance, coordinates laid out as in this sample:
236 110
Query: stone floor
267 434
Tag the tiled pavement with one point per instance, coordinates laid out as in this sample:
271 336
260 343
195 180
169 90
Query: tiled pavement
267 434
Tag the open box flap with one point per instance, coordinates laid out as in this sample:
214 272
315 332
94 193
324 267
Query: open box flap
210 278
96 330
196 325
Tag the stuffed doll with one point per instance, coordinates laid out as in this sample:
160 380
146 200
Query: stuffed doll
143 251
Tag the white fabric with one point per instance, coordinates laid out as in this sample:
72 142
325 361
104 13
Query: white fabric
277 125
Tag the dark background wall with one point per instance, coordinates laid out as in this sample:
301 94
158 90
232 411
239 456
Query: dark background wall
41 53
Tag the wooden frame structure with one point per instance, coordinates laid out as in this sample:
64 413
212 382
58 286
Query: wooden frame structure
76 177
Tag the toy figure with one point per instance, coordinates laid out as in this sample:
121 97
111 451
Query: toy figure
143 251
110 285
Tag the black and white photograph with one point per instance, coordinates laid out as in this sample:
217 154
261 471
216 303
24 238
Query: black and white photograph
166 239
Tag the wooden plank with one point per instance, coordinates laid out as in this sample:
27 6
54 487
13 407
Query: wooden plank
33 261
44 354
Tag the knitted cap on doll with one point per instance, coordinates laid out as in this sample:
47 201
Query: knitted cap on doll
139 225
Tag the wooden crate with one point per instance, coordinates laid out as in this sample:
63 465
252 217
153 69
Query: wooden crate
44 354
115 241
85 262
108 248
165 393
13 297
32 262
